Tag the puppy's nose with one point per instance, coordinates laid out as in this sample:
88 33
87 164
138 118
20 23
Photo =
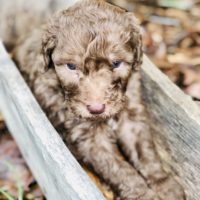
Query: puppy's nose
96 108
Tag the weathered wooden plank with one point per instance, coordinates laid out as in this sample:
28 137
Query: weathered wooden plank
54 167
176 120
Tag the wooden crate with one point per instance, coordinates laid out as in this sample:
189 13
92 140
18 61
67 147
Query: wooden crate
176 120
177 134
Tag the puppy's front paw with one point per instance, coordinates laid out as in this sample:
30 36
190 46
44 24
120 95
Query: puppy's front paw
149 195
138 194
169 189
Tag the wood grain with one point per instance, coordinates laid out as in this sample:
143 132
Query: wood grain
56 170
176 120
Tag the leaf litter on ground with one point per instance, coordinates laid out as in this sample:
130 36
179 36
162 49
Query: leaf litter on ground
16 180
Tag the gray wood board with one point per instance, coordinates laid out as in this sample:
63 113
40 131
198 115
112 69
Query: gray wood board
176 120
56 170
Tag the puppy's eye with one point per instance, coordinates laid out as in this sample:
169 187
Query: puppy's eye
116 63
71 66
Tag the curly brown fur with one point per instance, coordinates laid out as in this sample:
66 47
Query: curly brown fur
93 35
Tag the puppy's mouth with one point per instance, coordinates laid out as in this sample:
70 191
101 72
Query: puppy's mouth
98 118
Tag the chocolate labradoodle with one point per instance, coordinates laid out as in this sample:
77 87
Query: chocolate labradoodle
82 70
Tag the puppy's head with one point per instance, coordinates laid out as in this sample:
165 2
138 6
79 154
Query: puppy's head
94 47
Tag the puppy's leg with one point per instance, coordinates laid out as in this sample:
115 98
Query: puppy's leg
136 142
96 147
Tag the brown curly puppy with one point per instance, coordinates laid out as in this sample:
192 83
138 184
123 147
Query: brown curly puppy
91 93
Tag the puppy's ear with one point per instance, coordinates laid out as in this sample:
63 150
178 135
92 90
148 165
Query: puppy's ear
135 40
137 51
48 44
